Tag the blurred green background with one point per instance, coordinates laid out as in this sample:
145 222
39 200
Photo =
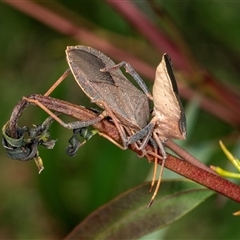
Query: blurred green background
49 205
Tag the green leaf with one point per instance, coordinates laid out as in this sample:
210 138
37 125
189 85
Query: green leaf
127 216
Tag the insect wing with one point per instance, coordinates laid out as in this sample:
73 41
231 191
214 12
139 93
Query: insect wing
167 105
112 88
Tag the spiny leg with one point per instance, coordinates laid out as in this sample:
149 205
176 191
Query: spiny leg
50 90
133 73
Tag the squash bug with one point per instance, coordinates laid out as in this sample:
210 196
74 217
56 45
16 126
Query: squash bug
168 115
103 82
128 107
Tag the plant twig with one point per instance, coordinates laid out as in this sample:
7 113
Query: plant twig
184 168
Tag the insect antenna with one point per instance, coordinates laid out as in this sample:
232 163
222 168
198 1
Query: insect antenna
154 170
164 156
50 90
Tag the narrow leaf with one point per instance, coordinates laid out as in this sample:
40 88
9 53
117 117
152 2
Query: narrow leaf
127 216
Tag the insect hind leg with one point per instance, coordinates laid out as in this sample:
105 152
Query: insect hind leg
143 134
133 73
71 125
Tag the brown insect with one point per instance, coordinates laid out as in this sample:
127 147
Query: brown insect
168 116
99 77
102 81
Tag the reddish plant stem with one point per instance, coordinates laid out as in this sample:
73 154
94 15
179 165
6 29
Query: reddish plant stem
205 178
64 107
68 28
164 44
186 155
151 32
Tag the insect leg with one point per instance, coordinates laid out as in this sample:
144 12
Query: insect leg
133 73
72 125
145 134
120 128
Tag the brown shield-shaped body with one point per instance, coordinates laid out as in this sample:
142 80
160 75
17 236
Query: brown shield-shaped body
129 104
